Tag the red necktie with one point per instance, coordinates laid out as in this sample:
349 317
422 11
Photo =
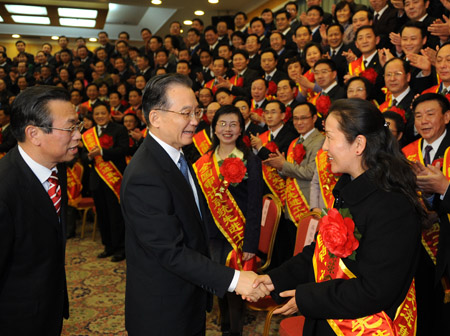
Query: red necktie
54 191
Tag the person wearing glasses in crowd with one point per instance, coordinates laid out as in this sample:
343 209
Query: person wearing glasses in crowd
33 204
170 276
106 146
242 199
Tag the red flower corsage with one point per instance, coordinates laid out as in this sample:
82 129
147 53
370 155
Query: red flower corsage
287 114
399 111
106 141
247 141
440 161
232 170
299 153
272 146
339 233
272 88
323 104
370 74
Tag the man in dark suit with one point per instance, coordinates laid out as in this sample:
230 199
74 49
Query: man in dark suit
169 272
432 116
385 18
33 200
335 35
114 143
269 59
7 140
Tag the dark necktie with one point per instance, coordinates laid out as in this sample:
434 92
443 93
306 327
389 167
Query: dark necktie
182 163
426 158
101 130
300 139
270 137
377 17
333 54
444 92
54 191
365 64
394 102
268 78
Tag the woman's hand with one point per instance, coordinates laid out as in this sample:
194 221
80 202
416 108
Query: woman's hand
290 307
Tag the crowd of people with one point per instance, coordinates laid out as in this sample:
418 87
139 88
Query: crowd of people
264 87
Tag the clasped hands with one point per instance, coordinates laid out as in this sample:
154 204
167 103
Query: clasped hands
252 287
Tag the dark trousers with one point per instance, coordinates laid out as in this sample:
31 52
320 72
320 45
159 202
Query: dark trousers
109 219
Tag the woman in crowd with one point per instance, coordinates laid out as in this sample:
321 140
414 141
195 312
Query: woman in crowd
343 15
140 82
359 87
234 242
359 273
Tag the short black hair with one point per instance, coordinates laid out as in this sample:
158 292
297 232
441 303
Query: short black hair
328 62
279 103
440 99
31 108
398 120
257 19
317 8
240 13
341 29
291 3
124 32
211 28
242 52
311 107
405 64
270 50
415 24
146 29
283 11
195 31
372 28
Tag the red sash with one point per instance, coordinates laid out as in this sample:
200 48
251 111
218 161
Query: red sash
74 185
327 180
210 85
224 209
87 104
356 67
201 141
296 203
107 171
327 267
274 181
237 80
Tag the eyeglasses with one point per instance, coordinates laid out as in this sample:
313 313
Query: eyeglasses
196 113
231 124
393 74
267 112
301 118
323 72
72 129
360 89
243 108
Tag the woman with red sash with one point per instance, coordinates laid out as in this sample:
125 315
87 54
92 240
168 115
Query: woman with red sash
230 177
357 278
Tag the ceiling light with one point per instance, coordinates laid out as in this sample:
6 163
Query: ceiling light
30 19
55 37
92 39
78 13
77 22
213 1
15 36
199 12
156 2
187 22
181 31
21 9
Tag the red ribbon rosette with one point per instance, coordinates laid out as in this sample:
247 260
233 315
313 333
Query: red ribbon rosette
106 141
272 146
233 170
258 111
339 233
323 104
370 74
247 141
287 114
299 153
399 111
272 89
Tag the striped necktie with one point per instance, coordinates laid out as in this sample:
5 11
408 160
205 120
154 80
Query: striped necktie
54 191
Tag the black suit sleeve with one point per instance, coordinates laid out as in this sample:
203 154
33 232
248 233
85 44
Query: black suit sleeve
121 144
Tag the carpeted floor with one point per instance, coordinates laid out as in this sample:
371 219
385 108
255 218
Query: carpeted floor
97 295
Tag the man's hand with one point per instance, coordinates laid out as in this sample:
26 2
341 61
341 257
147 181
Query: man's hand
136 134
421 62
94 152
290 307
431 180
265 280
256 141
245 287
349 55
275 160
440 28
384 55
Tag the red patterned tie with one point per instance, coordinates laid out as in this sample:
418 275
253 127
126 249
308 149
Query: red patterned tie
54 191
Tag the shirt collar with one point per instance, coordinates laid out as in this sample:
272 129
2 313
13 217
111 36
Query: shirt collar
171 151
402 95
369 59
275 133
286 30
423 17
5 127
328 89
308 134
381 11
41 172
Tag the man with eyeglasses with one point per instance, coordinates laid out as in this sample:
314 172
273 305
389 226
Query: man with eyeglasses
106 146
33 203
170 276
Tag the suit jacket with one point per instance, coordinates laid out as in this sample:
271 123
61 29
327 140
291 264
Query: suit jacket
7 140
33 291
245 90
341 63
338 92
278 76
282 140
254 129
385 260
304 171
169 271
255 63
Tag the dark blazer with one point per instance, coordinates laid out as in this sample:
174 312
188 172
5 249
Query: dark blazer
341 63
254 129
245 90
33 291
388 22
385 260
282 140
254 63
8 141
338 92
278 76
169 271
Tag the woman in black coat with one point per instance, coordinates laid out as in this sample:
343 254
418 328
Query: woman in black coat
379 190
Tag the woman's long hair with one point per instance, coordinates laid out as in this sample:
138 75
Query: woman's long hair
385 164
229 109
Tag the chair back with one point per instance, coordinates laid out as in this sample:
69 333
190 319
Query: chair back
269 225
306 231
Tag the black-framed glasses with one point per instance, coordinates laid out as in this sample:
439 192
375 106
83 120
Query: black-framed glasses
196 113
72 129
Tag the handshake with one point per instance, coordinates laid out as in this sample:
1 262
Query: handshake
253 287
